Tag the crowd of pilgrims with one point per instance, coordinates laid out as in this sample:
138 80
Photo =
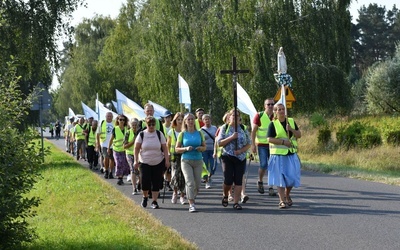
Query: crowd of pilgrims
183 150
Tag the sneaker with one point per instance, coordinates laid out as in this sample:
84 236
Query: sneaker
192 209
174 199
208 185
120 181
135 192
144 202
102 170
260 187
110 176
271 192
244 199
182 200
230 198
154 205
106 174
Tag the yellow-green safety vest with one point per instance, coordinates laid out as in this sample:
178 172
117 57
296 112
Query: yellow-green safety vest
91 137
79 135
131 138
103 130
279 149
118 142
261 135
173 143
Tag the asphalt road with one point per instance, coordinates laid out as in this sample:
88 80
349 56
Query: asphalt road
329 212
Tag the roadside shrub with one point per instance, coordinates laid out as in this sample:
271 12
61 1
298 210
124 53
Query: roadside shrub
19 163
358 135
393 138
324 135
318 120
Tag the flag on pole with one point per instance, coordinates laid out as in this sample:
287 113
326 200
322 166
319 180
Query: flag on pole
159 110
117 108
89 112
102 111
71 113
282 99
184 93
245 104
128 107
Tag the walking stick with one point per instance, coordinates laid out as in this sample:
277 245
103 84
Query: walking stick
165 186
247 170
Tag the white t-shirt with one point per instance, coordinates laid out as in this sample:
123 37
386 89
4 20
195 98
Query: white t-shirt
150 152
109 128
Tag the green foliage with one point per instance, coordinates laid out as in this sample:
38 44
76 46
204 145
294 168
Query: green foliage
358 135
317 120
154 42
19 160
393 138
383 89
324 135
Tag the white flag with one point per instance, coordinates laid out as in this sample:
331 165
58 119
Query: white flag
89 112
245 104
184 93
159 110
71 113
102 111
128 107
117 108
282 99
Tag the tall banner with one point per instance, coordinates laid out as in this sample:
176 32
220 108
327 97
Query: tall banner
184 93
245 104
102 111
89 112
71 113
159 110
128 107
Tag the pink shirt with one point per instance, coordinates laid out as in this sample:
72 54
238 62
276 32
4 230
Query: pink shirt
150 152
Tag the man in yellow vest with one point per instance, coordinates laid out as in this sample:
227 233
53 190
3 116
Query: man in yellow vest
79 137
92 156
259 131
199 121
104 132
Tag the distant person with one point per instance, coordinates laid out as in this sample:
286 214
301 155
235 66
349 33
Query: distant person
57 127
79 137
261 122
129 146
284 164
51 129
92 154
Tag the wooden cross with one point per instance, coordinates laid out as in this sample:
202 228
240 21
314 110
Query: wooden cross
234 72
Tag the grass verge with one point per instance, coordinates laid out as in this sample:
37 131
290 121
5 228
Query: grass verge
79 210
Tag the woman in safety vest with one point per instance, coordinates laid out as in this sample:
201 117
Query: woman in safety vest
284 164
129 146
117 145
177 180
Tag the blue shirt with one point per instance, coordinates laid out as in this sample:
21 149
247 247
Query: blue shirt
242 140
193 139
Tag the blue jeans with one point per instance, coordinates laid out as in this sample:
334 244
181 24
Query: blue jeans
209 161
263 154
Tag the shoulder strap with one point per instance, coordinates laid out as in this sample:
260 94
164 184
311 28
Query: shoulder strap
260 114
212 137
141 135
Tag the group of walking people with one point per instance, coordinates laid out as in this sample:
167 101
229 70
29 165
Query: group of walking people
183 151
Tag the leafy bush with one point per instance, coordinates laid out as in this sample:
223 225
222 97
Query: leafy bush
19 162
393 138
324 135
358 135
318 120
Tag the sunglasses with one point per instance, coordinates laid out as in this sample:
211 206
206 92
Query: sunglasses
270 104
121 119
151 124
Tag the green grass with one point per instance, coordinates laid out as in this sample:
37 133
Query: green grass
79 210
379 164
